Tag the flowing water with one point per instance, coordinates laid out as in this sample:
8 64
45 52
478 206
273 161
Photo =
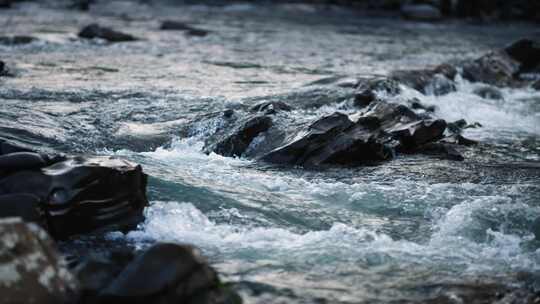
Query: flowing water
401 230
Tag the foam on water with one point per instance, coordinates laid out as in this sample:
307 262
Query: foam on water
182 222
474 229
514 113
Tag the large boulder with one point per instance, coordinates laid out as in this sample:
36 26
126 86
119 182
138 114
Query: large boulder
31 270
167 273
71 195
374 136
96 31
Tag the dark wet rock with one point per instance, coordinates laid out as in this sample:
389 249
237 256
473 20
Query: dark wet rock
406 126
236 141
228 113
458 139
16 40
4 71
5 3
168 273
73 195
32 269
82 5
364 98
421 12
95 272
526 52
368 90
416 104
503 67
495 68
271 107
96 31
374 137
456 127
536 85
488 92
26 206
438 81
169 25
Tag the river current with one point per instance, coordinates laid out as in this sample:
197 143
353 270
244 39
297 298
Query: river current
404 230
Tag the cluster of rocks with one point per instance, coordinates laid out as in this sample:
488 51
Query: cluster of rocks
95 30
380 128
45 197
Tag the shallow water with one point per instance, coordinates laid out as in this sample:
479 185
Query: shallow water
286 235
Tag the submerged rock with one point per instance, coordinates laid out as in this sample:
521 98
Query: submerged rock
71 195
237 140
421 12
488 92
438 81
170 25
416 104
16 40
31 270
271 107
96 31
167 273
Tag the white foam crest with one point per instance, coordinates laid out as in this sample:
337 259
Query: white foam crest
182 222
511 114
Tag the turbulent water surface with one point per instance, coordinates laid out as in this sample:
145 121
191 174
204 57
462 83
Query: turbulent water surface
401 230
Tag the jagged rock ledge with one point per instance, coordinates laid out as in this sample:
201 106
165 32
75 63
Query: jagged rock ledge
380 128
